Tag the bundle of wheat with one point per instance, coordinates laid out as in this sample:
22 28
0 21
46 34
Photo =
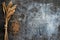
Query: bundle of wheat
8 11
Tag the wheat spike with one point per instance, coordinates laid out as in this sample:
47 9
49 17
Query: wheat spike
10 13
14 7
4 7
10 4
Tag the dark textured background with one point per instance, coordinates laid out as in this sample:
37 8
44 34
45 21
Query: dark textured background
34 25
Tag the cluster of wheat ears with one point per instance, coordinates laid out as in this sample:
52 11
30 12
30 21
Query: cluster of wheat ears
8 12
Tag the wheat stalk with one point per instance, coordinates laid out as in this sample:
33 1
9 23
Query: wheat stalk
8 11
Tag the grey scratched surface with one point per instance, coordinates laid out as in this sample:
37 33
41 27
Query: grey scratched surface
40 19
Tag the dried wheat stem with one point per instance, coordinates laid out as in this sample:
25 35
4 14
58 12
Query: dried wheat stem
6 33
